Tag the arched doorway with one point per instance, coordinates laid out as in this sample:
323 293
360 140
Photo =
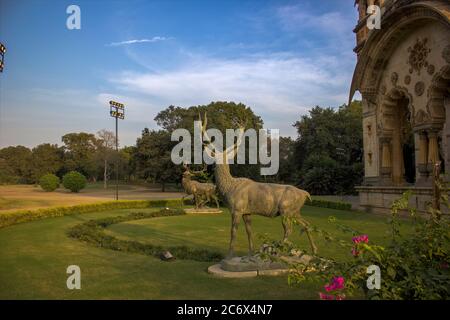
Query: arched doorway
397 129
439 106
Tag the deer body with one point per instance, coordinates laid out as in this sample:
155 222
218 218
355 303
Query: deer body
198 190
245 197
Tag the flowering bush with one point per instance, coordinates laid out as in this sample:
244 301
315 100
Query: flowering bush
334 290
356 240
413 266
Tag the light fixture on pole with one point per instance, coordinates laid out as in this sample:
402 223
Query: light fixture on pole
117 110
2 56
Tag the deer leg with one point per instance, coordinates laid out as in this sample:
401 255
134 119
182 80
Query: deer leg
248 229
216 200
235 218
196 200
287 226
305 224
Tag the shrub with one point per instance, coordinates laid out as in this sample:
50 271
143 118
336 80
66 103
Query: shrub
11 218
92 233
74 181
413 266
329 204
49 182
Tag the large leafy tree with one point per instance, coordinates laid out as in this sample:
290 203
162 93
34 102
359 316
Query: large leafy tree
152 158
46 158
16 164
80 153
329 149
222 115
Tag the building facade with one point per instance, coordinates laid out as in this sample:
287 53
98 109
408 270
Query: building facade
403 76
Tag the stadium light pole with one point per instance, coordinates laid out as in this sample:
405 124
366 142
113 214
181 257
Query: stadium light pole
2 56
117 110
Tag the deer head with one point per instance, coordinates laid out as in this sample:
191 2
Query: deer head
212 150
188 172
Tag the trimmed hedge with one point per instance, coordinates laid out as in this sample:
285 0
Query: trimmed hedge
8 219
329 204
92 233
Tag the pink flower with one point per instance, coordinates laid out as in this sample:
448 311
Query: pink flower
355 252
337 283
326 296
362 238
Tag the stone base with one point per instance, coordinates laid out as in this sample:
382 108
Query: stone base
202 211
247 267
379 199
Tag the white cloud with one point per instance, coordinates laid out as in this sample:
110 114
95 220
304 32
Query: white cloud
278 87
154 39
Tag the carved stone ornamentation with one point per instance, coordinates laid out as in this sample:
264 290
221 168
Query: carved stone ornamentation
446 54
383 89
418 54
407 79
431 69
394 78
419 88
421 117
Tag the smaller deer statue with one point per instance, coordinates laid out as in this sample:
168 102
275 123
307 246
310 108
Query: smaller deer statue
202 192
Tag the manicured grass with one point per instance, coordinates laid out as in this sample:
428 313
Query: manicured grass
30 197
34 257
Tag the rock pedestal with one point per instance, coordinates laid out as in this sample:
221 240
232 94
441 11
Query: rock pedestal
252 266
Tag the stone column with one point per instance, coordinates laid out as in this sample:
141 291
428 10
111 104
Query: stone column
446 139
386 161
422 160
433 149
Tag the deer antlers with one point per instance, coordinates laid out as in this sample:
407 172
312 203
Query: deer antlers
231 150
186 167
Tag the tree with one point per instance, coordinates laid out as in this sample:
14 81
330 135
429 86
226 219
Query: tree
80 150
16 161
329 149
287 160
46 158
152 156
127 163
222 115
106 142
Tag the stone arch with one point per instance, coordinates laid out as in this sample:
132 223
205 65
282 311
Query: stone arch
397 145
438 107
380 44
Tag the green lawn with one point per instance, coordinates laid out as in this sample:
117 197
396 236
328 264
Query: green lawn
34 257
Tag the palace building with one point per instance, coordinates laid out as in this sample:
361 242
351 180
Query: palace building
403 76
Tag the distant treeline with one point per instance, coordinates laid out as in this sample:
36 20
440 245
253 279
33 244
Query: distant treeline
326 157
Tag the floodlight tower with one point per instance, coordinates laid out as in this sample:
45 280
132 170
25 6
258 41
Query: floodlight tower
2 56
117 110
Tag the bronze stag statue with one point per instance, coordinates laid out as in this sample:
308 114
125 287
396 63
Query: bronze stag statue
202 192
245 197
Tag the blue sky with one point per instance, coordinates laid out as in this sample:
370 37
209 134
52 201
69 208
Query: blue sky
279 57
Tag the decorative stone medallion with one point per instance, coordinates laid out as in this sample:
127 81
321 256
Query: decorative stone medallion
407 79
421 117
431 69
446 54
394 78
419 88
418 54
